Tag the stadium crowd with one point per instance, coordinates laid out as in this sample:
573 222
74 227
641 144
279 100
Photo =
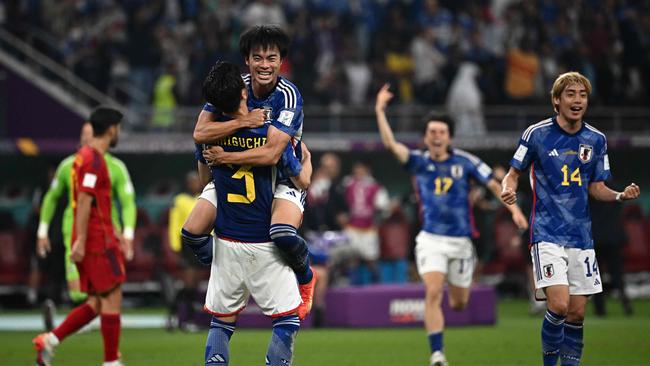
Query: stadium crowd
342 49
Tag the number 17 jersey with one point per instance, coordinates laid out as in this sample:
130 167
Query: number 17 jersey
562 165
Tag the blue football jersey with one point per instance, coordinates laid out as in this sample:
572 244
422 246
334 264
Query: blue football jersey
443 190
244 193
562 166
284 104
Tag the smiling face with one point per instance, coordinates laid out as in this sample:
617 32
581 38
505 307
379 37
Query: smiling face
437 137
264 65
572 103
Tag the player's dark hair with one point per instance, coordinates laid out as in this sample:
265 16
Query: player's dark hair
265 37
439 117
102 118
222 87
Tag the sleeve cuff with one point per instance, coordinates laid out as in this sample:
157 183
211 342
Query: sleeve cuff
128 233
43 227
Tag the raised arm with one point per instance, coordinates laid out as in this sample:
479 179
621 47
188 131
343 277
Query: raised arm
205 131
400 150
601 192
518 216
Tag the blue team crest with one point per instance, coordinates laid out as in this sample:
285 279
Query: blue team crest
457 171
585 153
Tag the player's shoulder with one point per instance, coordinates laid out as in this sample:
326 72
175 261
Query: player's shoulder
537 128
595 133
466 156
67 162
114 161
289 92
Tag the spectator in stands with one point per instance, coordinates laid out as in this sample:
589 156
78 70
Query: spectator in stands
366 200
165 99
182 310
394 235
427 64
521 72
263 12
465 101
322 224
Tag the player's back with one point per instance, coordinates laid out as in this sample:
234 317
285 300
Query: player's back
244 192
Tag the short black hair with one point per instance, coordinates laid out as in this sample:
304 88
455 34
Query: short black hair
264 36
222 87
102 118
439 117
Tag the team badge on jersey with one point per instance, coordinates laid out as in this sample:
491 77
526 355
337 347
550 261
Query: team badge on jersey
548 270
457 171
585 153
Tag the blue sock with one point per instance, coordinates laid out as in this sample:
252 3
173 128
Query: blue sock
435 341
216 347
552 337
571 351
294 250
201 245
280 352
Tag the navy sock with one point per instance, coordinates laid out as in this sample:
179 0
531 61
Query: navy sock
201 245
571 351
294 250
216 347
280 352
435 341
552 337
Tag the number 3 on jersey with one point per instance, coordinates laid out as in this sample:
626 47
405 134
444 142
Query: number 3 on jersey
575 176
244 172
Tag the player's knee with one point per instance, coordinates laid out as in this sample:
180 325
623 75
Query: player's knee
434 295
558 306
457 304
576 315
201 245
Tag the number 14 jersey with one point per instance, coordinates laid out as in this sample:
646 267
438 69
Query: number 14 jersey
562 166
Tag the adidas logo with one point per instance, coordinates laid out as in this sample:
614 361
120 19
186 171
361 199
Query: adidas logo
217 358
553 153
596 283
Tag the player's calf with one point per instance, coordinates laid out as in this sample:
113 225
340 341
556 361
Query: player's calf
280 350
201 245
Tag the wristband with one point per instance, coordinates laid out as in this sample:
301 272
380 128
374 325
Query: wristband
619 197
42 230
128 233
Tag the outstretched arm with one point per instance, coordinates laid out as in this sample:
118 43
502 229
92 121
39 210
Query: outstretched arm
601 192
206 132
518 217
400 150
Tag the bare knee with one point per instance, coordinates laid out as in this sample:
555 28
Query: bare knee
457 304
434 295
559 306
576 315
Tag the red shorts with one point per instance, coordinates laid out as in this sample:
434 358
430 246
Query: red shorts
100 273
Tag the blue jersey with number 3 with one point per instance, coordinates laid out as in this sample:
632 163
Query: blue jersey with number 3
443 190
562 166
244 192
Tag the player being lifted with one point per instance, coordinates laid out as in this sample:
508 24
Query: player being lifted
122 189
568 162
246 262
95 245
263 48
443 248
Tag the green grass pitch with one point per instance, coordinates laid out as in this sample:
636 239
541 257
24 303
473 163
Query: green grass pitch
614 340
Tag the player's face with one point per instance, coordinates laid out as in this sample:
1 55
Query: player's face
264 65
116 135
572 103
437 136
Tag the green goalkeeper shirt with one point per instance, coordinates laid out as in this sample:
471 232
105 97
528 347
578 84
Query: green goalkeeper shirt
122 192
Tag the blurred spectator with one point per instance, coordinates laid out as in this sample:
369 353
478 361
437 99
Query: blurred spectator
322 224
521 72
394 234
609 239
427 63
263 12
465 103
181 312
365 198
164 99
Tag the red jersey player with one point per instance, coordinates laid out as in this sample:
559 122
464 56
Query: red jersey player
96 247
